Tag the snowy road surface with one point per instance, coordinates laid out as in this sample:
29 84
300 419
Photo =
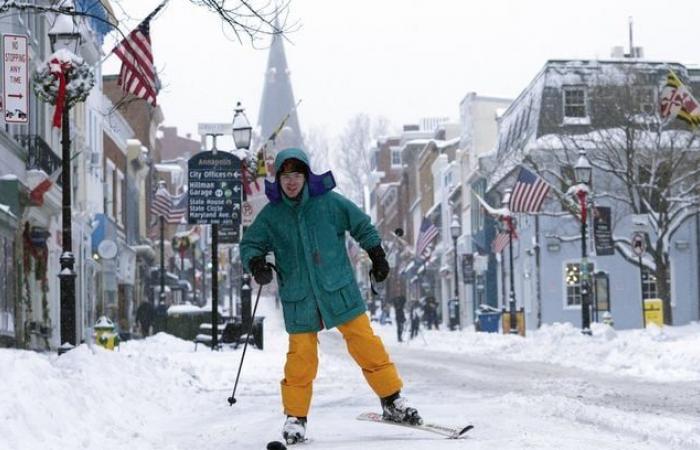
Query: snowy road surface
555 389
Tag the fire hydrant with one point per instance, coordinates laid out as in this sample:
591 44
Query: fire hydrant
104 333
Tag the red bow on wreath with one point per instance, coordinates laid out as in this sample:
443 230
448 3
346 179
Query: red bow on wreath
58 70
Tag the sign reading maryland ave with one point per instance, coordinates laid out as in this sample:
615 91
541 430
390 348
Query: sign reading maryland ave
214 191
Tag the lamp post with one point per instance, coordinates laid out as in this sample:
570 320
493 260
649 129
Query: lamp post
241 138
65 35
455 232
584 171
508 222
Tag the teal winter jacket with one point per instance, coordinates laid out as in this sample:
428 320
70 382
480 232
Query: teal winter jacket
316 281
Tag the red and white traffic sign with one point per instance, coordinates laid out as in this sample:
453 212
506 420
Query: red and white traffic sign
15 62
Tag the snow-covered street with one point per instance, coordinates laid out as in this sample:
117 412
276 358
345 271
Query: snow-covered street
555 389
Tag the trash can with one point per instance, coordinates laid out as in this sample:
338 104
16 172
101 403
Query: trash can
488 321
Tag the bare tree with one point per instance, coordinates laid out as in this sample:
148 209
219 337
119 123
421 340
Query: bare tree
642 166
353 154
318 147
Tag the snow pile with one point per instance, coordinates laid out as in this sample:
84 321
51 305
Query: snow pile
657 354
158 393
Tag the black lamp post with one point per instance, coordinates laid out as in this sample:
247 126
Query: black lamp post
241 137
508 223
584 171
455 232
65 35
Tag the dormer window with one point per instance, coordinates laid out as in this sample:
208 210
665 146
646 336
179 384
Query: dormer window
575 103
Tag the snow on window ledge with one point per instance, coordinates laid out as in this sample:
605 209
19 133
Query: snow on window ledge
576 121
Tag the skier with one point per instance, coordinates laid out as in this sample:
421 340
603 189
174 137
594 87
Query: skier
304 226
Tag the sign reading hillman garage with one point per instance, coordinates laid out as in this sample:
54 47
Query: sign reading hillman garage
214 189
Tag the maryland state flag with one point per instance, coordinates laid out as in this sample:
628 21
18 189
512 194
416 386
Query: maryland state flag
677 101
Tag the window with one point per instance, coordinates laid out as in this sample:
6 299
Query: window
572 281
648 284
575 103
645 97
396 157
109 189
119 197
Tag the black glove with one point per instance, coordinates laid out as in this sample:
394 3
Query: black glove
380 266
261 270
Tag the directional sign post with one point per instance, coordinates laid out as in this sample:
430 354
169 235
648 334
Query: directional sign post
214 188
15 82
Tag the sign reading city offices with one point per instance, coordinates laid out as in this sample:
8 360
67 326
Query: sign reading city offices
214 189
15 82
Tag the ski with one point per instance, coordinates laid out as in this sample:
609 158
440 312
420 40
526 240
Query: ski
448 432
279 445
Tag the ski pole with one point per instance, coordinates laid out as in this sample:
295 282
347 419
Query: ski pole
232 398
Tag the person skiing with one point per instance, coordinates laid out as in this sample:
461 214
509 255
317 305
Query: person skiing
304 226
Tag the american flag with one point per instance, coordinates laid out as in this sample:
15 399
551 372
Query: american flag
138 75
161 204
528 193
500 242
173 208
428 233
179 208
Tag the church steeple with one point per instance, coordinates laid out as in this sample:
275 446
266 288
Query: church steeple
278 100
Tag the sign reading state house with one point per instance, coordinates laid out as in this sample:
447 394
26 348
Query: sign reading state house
214 188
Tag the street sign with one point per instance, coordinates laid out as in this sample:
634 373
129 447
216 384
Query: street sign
223 129
230 234
214 188
602 231
15 63
639 243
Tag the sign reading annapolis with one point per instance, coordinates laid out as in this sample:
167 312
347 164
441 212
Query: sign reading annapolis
214 188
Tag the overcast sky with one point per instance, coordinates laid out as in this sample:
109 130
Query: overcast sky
401 59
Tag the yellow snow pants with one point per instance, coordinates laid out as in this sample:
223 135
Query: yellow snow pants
366 349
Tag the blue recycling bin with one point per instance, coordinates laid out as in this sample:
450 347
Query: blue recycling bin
488 321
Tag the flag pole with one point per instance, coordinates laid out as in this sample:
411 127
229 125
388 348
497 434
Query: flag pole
161 297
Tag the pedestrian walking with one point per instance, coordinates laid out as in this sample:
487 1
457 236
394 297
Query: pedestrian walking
144 316
415 314
304 225
400 315
431 317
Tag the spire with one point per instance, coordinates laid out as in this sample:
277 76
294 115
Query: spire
278 99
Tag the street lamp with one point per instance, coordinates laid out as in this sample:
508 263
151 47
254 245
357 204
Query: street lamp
584 171
508 223
241 138
241 128
65 35
455 232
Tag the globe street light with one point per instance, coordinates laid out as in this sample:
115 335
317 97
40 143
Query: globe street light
584 171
